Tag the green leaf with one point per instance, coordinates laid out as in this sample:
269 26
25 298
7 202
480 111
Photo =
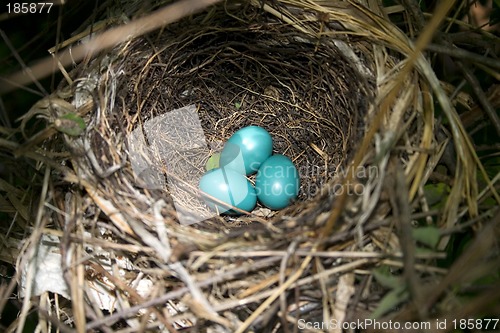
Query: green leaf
70 124
390 301
436 193
237 105
427 235
424 251
386 278
213 162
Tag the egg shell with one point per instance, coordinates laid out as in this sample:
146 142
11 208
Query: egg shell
277 182
229 187
246 150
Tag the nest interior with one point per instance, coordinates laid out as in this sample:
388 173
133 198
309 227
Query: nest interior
253 70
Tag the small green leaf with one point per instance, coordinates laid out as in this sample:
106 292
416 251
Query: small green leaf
213 162
390 301
386 278
427 235
237 105
436 193
424 251
70 124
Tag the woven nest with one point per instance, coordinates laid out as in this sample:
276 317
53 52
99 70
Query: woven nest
232 74
317 77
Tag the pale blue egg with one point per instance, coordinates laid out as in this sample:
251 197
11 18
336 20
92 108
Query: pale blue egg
229 187
246 150
277 182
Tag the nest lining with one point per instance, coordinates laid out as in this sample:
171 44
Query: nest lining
238 73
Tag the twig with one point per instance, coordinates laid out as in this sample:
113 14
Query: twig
284 263
481 96
176 294
459 53
199 303
134 295
108 39
291 280
56 321
401 210
25 69
414 9
32 252
301 282
418 267
320 254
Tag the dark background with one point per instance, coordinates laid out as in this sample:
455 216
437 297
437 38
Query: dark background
29 37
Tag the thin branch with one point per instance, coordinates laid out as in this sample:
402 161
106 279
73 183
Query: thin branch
481 96
464 54
108 39
414 9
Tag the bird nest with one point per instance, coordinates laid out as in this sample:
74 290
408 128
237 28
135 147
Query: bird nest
184 92
133 131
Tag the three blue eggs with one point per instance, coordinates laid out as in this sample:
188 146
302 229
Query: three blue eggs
249 151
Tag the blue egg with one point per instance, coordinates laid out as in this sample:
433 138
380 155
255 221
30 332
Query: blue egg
277 182
230 187
246 150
